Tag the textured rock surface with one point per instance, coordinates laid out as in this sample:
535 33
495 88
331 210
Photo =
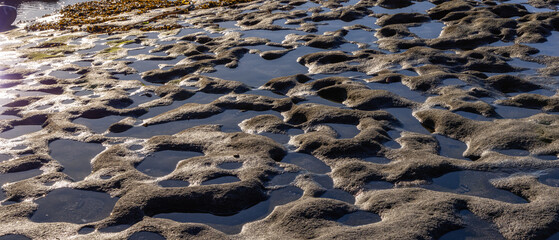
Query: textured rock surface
287 119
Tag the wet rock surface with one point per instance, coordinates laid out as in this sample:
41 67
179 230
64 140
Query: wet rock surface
286 119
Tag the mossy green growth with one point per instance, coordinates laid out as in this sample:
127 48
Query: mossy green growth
117 43
35 56
110 50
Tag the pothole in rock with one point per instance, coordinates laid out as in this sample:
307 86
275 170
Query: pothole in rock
474 116
545 92
75 156
418 7
451 148
344 130
234 223
229 120
14 237
83 63
530 67
83 93
378 185
173 183
5 157
451 82
323 101
273 36
408 121
16 177
261 70
264 48
86 230
548 48
230 165
221 180
115 228
549 177
73 206
144 50
98 125
393 134
515 112
473 183
428 30
377 159
359 218
144 235
306 161
282 138
331 192
146 65
164 162
20 130
133 76
64 74
400 90
475 228
282 179
228 24
361 36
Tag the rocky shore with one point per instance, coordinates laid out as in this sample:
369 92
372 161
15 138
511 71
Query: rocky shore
286 119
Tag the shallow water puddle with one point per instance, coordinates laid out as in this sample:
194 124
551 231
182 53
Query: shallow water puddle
408 121
75 156
276 36
474 116
73 206
475 228
64 74
549 177
307 161
282 179
256 71
234 223
164 162
20 130
344 130
14 237
378 185
548 48
473 183
331 192
530 68
377 160
419 7
451 148
146 65
230 165
428 30
174 183
5 157
544 92
400 90
99 125
359 218
282 138
515 112
15 177
144 235
221 180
